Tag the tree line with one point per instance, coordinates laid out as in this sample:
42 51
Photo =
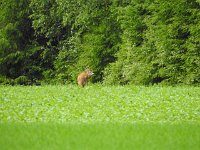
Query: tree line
140 42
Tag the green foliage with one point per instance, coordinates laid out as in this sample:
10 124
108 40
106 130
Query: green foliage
155 48
123 42
98 103
65 69
5 81
110 117
91 41
169 35
16 40
99 136
129 67
22 80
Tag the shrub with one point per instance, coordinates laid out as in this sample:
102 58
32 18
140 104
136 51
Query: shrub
22 80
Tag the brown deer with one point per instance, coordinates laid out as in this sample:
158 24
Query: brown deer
83 77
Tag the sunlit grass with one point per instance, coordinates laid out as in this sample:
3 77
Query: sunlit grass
97 103
100 136
99 117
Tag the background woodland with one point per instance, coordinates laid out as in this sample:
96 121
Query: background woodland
141 42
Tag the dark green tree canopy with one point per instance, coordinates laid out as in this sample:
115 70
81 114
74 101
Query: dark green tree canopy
123 42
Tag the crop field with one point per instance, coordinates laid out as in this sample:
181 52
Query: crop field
99 117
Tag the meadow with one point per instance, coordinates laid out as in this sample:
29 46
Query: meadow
99 117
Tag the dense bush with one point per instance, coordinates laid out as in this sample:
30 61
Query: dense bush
130 42
22 80
160 44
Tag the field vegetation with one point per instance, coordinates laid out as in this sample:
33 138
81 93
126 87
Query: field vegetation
99 117
144 93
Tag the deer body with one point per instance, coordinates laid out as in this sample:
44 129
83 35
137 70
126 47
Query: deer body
83 77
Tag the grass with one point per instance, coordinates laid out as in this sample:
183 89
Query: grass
100 136
99 117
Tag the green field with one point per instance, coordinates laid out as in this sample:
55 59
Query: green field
99 117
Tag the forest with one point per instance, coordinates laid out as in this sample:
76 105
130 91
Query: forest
140 42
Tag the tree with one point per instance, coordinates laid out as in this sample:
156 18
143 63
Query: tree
158 43
16 38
